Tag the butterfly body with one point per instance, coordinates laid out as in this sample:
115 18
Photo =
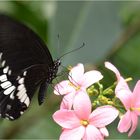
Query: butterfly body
26 63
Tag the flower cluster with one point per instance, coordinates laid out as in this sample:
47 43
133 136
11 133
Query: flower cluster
87 108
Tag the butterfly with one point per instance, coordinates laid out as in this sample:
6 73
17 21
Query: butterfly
25 65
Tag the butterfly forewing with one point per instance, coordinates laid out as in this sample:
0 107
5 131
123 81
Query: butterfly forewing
21 45
25 63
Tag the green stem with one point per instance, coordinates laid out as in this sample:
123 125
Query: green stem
114 84
100 87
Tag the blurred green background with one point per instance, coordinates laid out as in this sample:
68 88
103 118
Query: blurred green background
110 30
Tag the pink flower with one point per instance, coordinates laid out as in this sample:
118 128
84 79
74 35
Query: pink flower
83 80
131 102
81 123
121 81
114 69
78 80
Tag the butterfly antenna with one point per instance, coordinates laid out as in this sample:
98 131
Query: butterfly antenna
58 42
73 50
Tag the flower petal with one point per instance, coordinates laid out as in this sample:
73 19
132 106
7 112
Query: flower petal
103 116
66 119
76 74
113 68
125 122
67 101
134 118
136 95
123 92
82 105
90 78
63 88
92 133
104 131
73 134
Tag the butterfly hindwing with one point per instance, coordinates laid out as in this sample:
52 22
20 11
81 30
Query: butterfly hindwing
16 92
7 90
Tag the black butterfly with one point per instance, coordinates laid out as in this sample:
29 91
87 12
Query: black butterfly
25 64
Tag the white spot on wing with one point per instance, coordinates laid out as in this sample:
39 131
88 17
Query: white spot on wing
21 93
3 63
18 78
0 56
9 90
5 70
7 118
21 112
23 98
9 72
12 95
6 84
21 81
25 72
3 78
11 117
27 101
7 115
20 87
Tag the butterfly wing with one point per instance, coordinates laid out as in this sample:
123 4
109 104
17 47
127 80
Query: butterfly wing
21 45
16 95
25 61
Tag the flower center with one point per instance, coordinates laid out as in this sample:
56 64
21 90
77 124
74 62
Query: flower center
74 86
135 109
84 122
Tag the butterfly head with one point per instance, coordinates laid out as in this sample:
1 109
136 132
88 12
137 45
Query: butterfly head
53 70
56 65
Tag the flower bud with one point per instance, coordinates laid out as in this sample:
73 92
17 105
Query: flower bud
108 92
92 91
103 99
